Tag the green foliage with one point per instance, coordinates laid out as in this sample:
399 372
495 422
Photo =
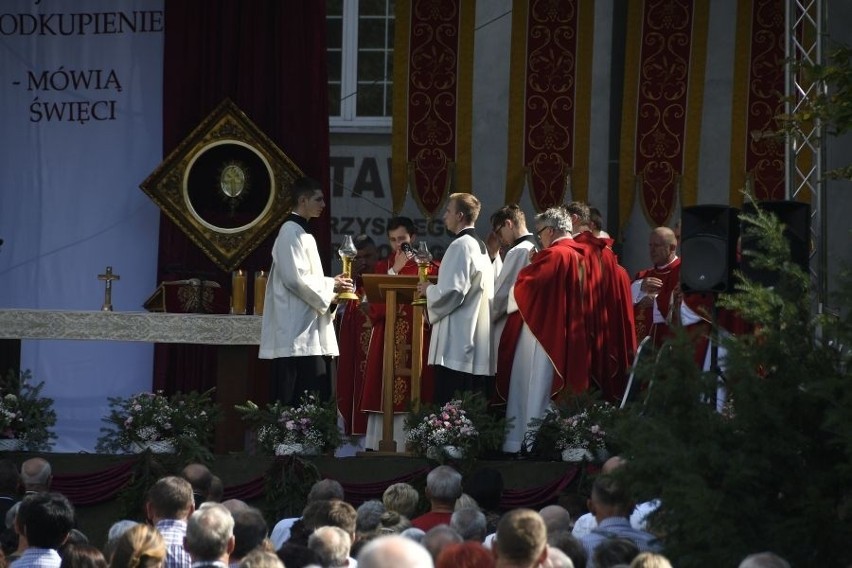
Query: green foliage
288 482
186 420
772 472
25 414
831 106
146 471
313 423
834 105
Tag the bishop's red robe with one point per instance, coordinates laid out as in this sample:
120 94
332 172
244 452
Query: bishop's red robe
549 293
699 303
371 400
354 343
609 317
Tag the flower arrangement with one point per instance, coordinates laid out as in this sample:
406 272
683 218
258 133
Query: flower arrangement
449 426
311 426
460 428
584 430
184 421
25 415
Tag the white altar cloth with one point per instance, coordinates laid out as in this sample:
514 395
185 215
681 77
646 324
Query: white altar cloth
203 329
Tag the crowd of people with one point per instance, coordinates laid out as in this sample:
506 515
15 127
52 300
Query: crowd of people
520 317
186 525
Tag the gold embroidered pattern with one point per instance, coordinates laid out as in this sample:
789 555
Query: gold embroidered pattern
400 390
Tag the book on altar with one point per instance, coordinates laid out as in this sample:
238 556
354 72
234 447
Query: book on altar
191 296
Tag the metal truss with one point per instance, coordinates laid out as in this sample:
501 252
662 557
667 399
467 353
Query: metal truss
805 147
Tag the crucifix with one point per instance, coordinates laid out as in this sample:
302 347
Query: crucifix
108 278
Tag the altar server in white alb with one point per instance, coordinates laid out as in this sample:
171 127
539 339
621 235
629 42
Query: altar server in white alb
510 227
298 331
459 307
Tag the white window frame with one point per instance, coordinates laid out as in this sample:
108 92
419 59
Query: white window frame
348 121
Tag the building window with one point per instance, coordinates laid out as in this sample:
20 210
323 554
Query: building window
360 63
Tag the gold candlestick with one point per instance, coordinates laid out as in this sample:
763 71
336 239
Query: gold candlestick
423 258
238 292
347 254
260 280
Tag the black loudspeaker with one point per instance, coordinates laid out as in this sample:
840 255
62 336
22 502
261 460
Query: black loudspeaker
796 218
708 248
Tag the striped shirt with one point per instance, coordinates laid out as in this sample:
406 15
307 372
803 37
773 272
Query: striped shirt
38 558
173 533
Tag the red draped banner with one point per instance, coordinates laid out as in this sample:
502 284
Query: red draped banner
549 96
87 489
433 70
663 97
757 157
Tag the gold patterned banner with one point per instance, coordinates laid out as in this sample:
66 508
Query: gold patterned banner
549 100
663 99
433 71
757 156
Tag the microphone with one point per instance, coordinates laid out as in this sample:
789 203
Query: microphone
407 250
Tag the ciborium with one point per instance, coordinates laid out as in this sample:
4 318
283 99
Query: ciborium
423 258
347 252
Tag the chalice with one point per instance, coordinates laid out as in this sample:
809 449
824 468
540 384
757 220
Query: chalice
423 258
347 252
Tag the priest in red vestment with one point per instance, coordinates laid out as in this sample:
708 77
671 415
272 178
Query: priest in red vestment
551 350
354 329
401 231
609 308
657 299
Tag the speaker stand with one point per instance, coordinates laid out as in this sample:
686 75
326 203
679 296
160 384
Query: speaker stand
720 396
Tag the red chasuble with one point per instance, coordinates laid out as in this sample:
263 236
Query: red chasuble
701 304
371 400
354 343
609 317
644 317
549 294
505 358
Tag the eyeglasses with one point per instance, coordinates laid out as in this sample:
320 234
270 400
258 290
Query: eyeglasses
540 231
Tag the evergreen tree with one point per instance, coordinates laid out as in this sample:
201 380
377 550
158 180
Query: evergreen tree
772 472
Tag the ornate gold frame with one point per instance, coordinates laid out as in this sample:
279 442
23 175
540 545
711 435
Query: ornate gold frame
199 185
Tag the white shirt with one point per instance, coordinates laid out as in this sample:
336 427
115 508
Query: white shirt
281 532
638 519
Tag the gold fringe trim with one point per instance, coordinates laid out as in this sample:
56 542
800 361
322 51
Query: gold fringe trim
460 178
627 178
515 170
579 182
688 187
399 142
739 104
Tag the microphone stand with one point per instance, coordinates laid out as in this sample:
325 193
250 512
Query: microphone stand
721 391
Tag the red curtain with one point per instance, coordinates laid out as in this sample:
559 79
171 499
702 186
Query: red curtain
269 57
84 489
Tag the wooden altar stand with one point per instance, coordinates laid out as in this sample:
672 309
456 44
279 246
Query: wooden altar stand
394 289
